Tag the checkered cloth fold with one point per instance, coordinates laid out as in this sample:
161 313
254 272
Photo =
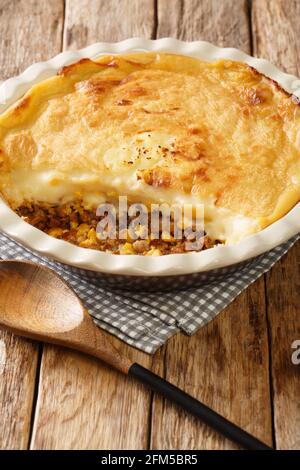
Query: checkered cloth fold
146 320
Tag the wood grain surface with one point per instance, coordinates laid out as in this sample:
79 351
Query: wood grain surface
240 364
89 21
30 31
225 23
18 366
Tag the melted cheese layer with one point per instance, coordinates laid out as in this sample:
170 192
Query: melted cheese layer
157 128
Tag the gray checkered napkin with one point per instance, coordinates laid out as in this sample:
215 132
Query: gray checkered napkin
147 320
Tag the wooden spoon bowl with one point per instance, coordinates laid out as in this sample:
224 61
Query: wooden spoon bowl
27 294
35 302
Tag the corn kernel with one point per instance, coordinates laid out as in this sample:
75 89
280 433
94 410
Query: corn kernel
55 232
126 249
74 225
82 229
86 243
92 235
154 252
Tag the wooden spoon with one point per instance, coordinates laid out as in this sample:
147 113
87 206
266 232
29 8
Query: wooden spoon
36 303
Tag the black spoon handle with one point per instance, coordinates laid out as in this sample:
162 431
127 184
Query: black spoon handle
208 416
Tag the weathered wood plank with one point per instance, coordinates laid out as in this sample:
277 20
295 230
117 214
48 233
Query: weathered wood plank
224 23
276 30
18 364
88 22
81 403
29 31
276 33
226 364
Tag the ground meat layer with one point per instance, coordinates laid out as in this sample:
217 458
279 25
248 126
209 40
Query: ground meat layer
73 223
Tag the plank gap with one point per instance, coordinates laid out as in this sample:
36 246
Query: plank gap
270 364
249 15
155 19
36 392
63 25
149 436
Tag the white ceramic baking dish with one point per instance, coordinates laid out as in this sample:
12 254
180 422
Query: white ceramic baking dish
170 270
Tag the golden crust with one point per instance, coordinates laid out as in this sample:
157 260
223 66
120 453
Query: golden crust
229 134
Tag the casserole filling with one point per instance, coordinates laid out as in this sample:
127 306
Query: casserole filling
158 129
74 223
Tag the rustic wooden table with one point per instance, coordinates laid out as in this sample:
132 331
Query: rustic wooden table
240 364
